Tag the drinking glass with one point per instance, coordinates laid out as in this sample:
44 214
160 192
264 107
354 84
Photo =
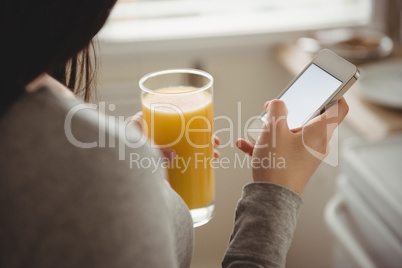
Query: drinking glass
177 108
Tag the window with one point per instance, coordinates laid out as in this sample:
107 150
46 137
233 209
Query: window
175 19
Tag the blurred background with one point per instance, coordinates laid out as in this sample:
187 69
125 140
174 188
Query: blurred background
253 49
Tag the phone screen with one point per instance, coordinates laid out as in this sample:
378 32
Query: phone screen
306 95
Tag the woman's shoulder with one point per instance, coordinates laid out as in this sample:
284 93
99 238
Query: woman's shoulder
48 124
50 134
62 166
52 140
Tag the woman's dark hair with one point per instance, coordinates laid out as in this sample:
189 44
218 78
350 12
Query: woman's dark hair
51 36
79 73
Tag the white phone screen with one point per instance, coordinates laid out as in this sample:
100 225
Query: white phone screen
306 95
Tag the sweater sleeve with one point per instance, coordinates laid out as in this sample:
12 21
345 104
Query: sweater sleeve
265 220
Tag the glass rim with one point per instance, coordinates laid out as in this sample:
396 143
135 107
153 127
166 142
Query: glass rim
174 71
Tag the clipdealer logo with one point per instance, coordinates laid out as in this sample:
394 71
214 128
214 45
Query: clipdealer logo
199 160
114 131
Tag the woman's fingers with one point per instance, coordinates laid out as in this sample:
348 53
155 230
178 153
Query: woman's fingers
275 122
245 146
138 120
170 154
338 110
330 119
277 114
266 105
217 141
318 132
216 154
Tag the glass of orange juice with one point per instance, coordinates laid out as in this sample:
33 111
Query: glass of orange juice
177 107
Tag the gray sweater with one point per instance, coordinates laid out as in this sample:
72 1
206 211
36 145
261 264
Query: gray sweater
65 206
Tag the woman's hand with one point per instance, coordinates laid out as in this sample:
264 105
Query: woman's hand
167 152
289 157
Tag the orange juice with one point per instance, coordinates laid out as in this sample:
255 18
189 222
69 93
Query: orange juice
181 118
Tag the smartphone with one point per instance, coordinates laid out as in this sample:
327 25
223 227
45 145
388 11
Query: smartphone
322 82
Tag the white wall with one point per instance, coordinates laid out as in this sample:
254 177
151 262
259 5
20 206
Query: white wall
245 75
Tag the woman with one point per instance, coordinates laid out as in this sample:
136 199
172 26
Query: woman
65 206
